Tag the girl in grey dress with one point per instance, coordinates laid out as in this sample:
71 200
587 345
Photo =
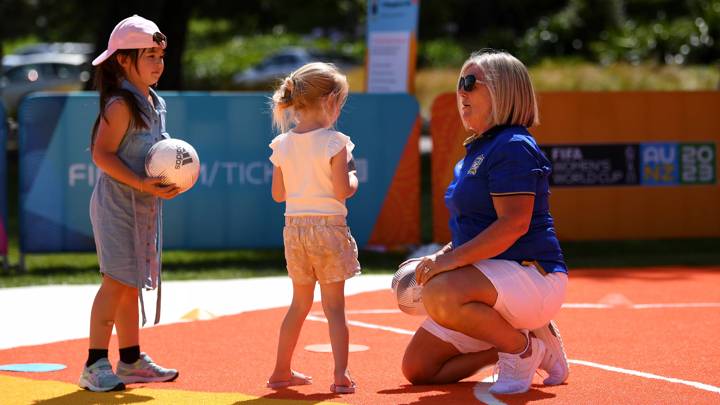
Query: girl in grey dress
125 207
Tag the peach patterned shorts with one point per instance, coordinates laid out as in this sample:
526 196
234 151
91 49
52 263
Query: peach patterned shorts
319 248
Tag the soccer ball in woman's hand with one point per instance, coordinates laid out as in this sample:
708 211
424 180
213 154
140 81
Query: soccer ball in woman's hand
175 161
407 293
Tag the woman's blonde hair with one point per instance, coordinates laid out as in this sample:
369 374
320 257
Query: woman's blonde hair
305 89
511 91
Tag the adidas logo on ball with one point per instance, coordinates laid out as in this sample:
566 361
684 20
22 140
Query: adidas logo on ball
175 161
182 157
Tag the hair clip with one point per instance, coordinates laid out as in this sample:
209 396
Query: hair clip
160 39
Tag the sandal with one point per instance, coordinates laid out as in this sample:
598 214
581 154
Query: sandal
295 379
343 389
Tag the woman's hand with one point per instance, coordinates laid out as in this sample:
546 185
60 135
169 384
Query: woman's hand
432 265
424 268
155 186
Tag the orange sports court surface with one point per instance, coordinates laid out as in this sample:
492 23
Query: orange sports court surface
635 336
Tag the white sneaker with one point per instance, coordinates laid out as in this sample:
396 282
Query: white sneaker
555 362
99 377
516 371
144 370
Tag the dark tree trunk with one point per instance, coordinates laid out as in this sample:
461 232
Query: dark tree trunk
174 23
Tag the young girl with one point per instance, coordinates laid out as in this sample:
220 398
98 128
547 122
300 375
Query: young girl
311 175
125 209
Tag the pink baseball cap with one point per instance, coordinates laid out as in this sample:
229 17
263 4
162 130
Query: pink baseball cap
133 33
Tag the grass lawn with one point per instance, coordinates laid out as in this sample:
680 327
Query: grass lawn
81 268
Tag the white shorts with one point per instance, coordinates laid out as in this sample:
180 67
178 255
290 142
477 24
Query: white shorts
527 299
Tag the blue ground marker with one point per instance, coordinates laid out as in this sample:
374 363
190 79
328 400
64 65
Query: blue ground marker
32 367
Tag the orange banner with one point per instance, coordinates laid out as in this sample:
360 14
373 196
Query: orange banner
398 224
592 118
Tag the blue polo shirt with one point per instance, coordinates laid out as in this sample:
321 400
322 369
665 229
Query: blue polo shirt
505 160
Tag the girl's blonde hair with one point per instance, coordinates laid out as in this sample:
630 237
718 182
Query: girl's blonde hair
511 91
306 89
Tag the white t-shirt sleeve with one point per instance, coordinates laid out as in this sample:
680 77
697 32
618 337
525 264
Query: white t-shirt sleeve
337 141
277 150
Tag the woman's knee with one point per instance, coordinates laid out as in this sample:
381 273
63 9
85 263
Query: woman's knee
416 377
416 371
445 293
437 291
425 356
440 299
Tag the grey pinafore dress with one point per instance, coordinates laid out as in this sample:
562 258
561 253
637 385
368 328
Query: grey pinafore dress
127 224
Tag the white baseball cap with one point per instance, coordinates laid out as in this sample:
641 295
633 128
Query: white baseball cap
133 33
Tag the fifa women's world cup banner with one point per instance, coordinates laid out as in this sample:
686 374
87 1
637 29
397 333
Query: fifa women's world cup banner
625 165
3 184
230 206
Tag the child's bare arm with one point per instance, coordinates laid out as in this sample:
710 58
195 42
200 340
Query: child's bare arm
110 133
278 187
343 185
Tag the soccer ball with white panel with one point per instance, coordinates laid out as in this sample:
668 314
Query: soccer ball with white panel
175 161
407 293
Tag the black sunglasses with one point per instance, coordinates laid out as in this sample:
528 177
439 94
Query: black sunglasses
467 83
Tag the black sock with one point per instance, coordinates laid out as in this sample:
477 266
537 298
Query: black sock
95 355
130 355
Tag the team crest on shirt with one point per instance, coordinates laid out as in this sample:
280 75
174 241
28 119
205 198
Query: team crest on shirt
476 163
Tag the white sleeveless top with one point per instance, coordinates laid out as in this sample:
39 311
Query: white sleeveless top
304 159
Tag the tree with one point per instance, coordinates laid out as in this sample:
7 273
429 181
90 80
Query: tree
14 27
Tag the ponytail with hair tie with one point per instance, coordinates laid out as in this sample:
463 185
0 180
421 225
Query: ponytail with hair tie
306 88
288 90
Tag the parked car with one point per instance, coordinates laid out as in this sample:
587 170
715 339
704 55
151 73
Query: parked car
24 74
79 48
282 63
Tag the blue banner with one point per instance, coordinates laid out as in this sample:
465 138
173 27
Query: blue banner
3 183
392 15
230 206
659 164
632 164
391 45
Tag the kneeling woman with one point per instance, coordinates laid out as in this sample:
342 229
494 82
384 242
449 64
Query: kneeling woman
492 292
